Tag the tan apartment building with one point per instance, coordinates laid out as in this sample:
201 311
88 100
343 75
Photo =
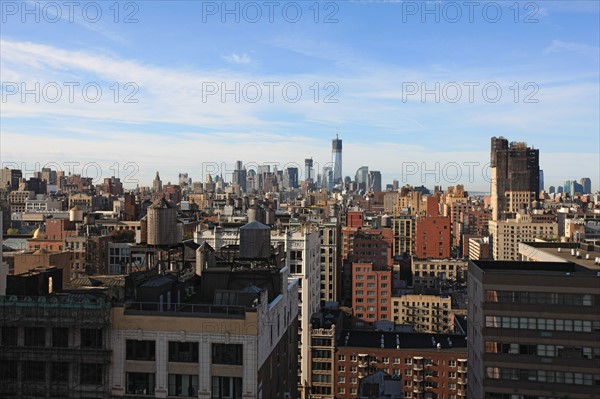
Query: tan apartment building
431 273
507 234
426 313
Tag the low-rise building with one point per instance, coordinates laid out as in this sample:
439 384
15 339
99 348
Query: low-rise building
430 365
431 273
426 313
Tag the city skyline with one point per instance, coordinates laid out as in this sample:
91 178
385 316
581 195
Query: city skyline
365 68
417 173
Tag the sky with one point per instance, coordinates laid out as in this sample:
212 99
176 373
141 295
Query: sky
414 89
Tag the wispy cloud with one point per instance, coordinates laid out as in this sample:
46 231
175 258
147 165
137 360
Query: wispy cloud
171 112
558 46
240 59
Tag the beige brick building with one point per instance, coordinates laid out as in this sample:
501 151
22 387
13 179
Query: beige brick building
507 234
426 313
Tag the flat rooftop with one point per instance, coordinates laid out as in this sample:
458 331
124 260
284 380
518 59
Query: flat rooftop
513 267
400 340
585 262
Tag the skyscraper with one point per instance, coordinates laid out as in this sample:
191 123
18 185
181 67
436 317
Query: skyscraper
586 183
374 181
515 176
292 177
157 184
336 155
327 178
239 175
308 163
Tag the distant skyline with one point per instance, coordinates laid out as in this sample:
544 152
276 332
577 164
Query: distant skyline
386 74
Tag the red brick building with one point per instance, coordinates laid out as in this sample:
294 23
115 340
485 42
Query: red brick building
58 229
354 219
430 365
433 233
364 245
372 295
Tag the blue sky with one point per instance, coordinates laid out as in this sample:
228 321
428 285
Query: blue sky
362 68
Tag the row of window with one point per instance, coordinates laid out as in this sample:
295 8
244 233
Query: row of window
369 277
370 285
541 298
533 323
36 337
184 352
542 350
184 385
371 293
396 360
558 377
437 267
57 372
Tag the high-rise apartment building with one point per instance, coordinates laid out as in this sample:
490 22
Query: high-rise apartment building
534 329
433 238
371 299
515 177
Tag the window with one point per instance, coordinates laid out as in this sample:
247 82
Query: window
183 385
91 338
91 374
227 354
184 352
59 372
35 336
60 337
9 336
341 357
226 387
140 350
140 383
8 370
34 371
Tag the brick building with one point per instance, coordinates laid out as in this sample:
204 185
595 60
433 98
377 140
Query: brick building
433 237
371 299
431 365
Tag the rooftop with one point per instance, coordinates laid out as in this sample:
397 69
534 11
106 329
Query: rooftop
399 340
514 267
582 254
